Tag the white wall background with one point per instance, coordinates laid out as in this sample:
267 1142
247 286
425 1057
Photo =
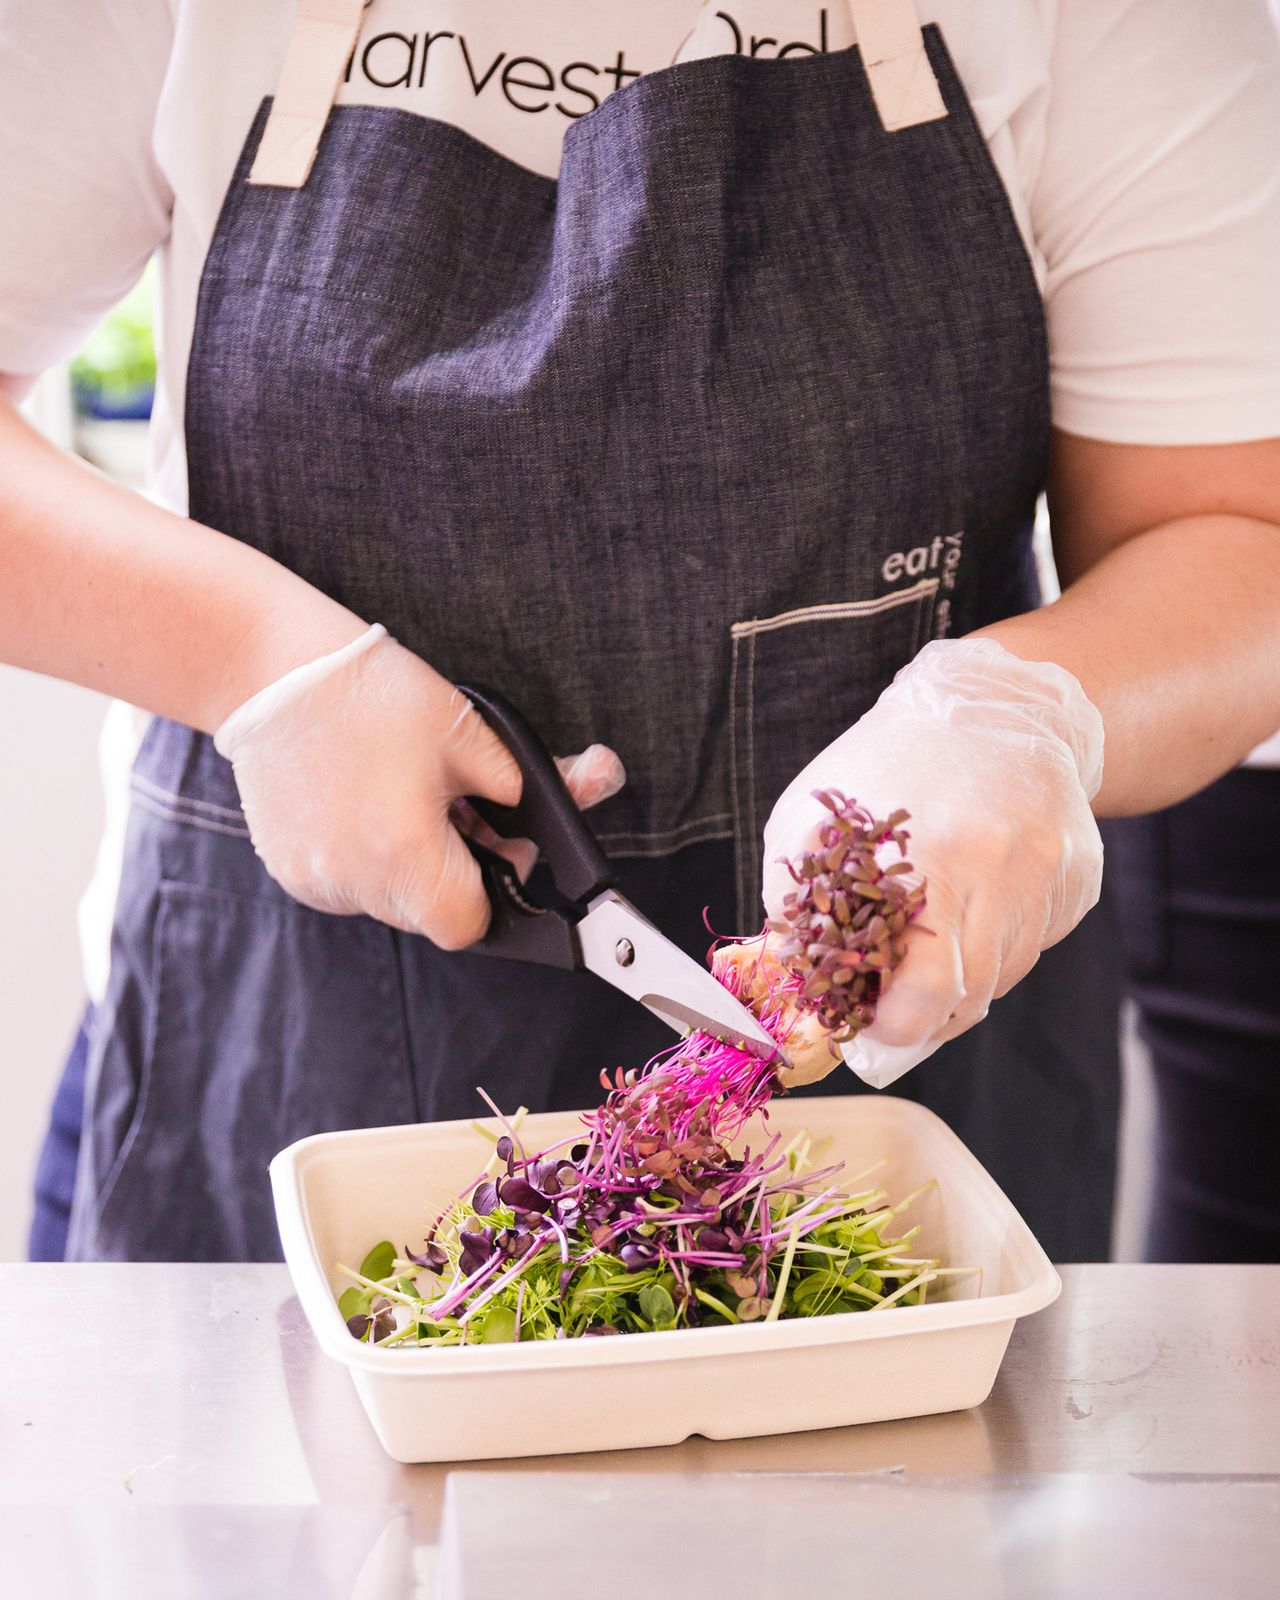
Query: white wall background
50 816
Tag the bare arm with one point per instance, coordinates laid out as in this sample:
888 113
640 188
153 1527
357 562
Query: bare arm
101 587
1170 615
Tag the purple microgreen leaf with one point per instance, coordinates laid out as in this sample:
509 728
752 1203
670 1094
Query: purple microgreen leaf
521 1194
432 1257
636 1255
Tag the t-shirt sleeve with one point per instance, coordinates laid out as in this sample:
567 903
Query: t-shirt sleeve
83 201
1157 212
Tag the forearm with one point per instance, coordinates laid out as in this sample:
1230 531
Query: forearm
100 587
1175 637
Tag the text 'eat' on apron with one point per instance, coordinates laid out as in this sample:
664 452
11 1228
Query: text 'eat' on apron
687 452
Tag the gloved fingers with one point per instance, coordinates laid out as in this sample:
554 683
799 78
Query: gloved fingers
926 991
983 953
1003 932
1079 880
999 945
1010 976
757 977
811 1056
980 990
475 760
1010 937
924 994
749 968
438 891
1047 869
521 853
593 775
809 1049
310 888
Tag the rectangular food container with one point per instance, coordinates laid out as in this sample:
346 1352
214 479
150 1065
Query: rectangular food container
336 1194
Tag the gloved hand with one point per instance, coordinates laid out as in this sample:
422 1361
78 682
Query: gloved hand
759 978
996 759
351 772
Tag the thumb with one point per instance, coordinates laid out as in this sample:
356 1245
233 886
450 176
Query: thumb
441 892
923 995
476 759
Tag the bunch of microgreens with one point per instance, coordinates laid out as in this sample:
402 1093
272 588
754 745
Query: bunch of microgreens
649 1221
841 931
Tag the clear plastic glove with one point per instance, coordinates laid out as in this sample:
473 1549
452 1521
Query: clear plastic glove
351 771
996 759
760 978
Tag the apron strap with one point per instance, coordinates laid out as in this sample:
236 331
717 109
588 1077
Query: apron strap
324 36
902 81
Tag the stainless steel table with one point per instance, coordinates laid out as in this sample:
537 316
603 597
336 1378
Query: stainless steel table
124 1387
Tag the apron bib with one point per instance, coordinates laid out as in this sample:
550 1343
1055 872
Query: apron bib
687 451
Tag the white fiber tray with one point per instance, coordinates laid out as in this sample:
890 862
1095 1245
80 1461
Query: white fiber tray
336 1194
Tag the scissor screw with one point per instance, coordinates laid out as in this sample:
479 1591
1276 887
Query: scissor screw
624 952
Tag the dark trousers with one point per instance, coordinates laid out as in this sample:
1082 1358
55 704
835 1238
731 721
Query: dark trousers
56 1168
1198 888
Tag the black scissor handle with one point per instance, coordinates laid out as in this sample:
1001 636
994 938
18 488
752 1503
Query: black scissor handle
518 929
547 814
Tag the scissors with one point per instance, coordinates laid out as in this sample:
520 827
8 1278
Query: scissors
595 928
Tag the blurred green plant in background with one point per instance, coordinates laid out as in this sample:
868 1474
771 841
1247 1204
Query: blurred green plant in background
114 375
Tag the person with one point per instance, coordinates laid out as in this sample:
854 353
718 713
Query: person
1199 885
702 408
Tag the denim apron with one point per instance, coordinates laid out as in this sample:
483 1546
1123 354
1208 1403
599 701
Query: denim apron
687 451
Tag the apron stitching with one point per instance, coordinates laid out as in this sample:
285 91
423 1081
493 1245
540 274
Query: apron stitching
746 634
338 296
837 611
172 814
918 629
236 813
145 1077
752 840
712 819
621 844
734 786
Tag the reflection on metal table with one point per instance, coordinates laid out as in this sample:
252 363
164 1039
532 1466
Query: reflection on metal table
186 1408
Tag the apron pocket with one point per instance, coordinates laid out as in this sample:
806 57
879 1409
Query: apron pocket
268 1022
798 680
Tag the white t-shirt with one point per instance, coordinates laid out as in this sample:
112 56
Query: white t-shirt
1137 140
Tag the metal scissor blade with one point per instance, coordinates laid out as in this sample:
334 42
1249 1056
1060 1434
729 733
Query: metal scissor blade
624 949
